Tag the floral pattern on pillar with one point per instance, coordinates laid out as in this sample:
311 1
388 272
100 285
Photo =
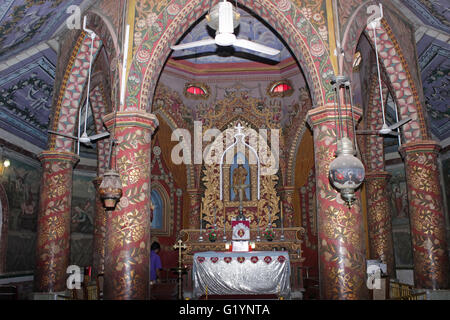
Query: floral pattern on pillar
194 208
379 219
127 249
99 232
431 268
340 229
288 206
53 227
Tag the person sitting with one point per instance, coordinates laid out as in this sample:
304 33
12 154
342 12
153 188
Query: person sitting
155 263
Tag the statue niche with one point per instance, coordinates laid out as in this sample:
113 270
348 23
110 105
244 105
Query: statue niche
239 187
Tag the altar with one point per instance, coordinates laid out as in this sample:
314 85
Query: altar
241 273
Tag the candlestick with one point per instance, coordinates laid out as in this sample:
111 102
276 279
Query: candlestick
200 239
258 237
282 227
224 225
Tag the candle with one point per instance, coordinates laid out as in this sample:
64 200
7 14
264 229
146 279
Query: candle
201 211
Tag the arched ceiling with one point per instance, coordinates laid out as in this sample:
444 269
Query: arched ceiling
29 33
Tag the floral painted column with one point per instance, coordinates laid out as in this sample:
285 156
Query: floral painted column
287 193
127 250
53 226
340 229
195 198
431 268
379 219
99 231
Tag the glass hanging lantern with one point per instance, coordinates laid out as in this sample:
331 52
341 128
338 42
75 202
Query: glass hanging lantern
346 171
110 189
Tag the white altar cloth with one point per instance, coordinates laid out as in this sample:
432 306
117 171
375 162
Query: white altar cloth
241 273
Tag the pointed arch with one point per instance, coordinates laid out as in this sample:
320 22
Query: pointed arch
393 63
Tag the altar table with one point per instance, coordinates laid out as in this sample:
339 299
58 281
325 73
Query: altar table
241 273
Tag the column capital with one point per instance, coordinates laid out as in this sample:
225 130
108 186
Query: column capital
52 155
429 146
329 112
141 119
378 175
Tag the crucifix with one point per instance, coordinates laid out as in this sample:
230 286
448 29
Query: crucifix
180 246
180 270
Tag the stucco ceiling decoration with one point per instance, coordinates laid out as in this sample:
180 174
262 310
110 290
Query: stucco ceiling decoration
434 63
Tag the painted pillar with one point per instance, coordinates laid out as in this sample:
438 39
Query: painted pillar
54 218
127 250
376 182
287 193
195 198
99 231
427 220
342 265
379 219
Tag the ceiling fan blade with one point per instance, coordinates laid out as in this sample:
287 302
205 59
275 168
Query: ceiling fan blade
247 44
62 134
99 136
87 143
393 133
194 44
399 124
367 132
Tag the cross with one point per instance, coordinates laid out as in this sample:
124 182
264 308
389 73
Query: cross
180 246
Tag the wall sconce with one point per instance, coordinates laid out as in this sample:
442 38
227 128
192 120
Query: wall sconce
346 172
4 162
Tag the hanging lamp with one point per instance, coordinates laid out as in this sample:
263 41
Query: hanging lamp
346 171
110 189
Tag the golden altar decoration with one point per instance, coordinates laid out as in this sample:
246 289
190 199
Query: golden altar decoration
215 211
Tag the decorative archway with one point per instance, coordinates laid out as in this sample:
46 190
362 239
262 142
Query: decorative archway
172 20
394 64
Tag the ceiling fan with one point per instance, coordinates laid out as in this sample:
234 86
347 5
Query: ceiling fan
385 129
84 138
225 19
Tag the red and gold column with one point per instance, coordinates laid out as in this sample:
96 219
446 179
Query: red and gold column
340 229
99 231
287 193
431 268
127 249
379 219
53 226
195 198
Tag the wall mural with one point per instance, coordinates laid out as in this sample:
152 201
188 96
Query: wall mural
400 217
83 203
21 182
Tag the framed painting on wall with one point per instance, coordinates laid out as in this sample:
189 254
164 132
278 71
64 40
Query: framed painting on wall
162 208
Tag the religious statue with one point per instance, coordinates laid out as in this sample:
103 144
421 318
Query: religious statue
239 177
